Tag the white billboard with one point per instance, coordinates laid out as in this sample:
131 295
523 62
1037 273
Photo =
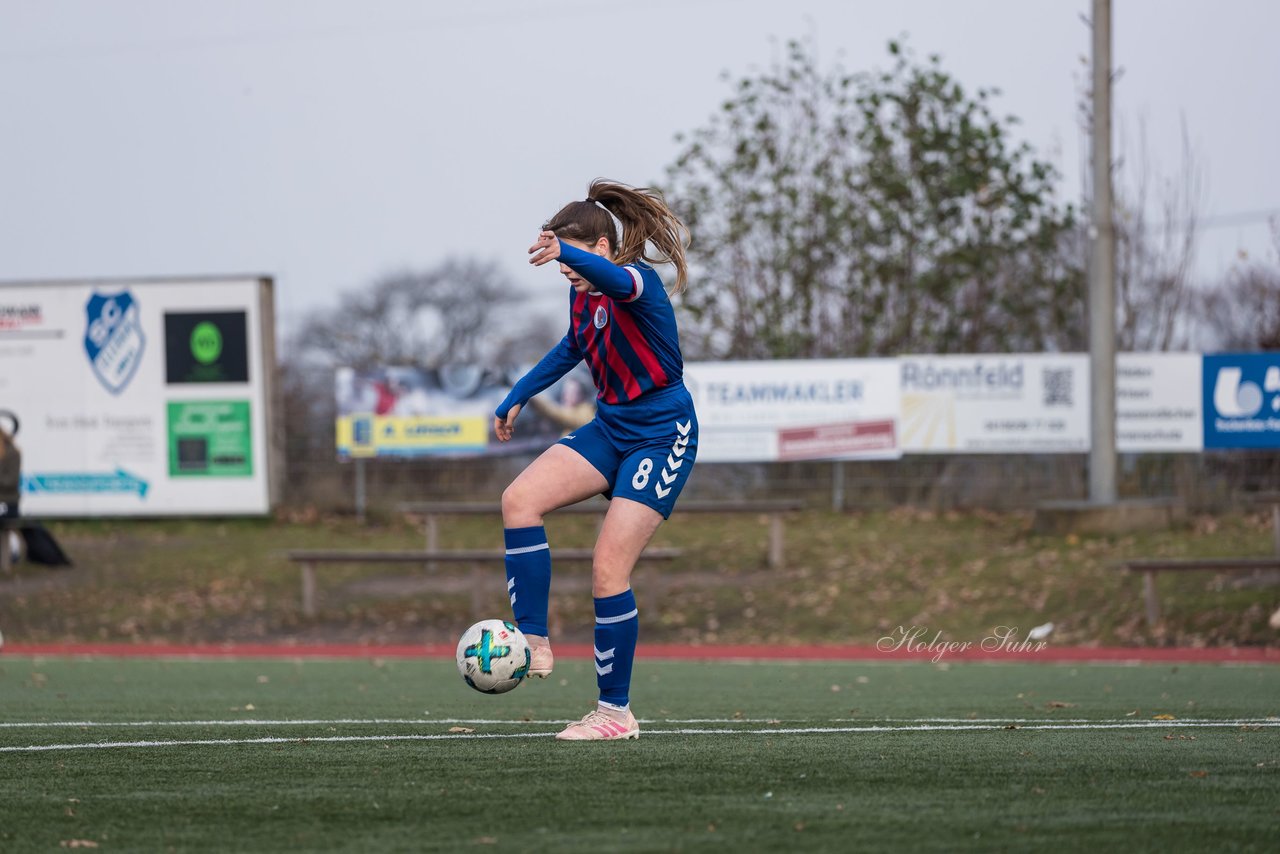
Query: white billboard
1158 402
817 409
1011 404
140 398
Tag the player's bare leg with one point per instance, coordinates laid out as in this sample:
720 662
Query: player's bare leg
628 527
557 478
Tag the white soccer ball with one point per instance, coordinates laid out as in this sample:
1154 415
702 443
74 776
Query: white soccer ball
493 656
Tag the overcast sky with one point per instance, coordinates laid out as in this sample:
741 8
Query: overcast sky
327 142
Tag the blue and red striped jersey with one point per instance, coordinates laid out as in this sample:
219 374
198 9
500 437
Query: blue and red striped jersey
625 329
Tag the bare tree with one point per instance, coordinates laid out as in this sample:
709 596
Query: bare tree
422 318
1243 312
459 312
1157 226
1154 260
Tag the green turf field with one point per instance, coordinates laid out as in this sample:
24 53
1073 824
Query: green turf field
399 755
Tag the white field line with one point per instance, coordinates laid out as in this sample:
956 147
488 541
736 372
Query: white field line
1155 722
682 731
287 722
382 721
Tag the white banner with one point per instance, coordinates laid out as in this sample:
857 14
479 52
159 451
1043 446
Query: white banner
1013 404
137 398
795 410
1158 402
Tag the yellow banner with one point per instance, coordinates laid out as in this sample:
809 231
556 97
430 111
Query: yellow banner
410 435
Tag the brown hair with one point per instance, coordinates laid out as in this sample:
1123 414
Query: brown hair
646 222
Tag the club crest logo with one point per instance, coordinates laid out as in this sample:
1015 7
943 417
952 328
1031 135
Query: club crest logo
602 317
113 338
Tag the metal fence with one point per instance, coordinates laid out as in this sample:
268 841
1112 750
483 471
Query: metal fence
1200 482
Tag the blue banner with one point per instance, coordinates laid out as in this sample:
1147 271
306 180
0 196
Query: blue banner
1242 400
93 483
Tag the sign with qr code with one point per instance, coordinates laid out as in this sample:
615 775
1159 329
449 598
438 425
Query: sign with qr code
995 404
1158 407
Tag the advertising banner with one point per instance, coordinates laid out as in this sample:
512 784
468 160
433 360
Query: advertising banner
1015 404
819 409
829 409
210 438
1158 406
409 412
1241 394
138 398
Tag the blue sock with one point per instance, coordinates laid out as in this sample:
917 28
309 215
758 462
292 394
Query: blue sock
528 577
617 626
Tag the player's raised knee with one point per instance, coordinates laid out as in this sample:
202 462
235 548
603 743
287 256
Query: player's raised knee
513 504
519 507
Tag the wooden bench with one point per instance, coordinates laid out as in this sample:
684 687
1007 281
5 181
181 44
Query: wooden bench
1149 568
776 509
308 559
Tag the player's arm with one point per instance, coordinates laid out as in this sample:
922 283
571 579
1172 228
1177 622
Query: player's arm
561 359
620 283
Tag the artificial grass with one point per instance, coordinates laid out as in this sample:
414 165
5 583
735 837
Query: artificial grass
1166 785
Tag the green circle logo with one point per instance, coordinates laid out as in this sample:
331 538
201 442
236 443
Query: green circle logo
206 343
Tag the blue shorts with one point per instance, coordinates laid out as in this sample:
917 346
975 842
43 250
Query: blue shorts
645 448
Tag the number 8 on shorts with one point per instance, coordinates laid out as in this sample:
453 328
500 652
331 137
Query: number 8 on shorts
655 473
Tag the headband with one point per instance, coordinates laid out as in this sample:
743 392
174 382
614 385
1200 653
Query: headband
617 223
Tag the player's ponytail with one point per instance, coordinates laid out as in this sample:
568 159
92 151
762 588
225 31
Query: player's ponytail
647 223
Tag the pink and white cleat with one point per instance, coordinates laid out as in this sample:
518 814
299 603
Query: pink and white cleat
599 726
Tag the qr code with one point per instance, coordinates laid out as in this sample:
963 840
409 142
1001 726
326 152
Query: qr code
1057 387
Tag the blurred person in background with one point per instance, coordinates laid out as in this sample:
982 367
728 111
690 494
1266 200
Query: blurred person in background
10 482
10 466
31 539
572 410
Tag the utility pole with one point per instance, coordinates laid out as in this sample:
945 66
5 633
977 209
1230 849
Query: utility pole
1102 273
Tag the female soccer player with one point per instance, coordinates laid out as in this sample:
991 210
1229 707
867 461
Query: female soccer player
637 451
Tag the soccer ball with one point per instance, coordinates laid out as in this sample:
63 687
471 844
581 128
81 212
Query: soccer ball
493 656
